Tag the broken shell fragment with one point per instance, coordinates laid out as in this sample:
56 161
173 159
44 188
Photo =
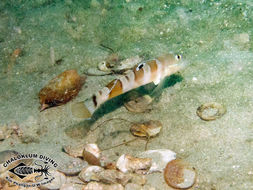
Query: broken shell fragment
61 89
211 111
113 177
90 173
179 175
91 154
127 163
159 157
140 104
100 186
146 129
96 173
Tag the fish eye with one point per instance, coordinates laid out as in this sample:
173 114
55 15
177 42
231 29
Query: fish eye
178 57
140 66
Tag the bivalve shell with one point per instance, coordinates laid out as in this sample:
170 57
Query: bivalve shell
91 154
180 175
90 173
127 163
146 129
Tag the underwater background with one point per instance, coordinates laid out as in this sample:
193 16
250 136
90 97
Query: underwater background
40 39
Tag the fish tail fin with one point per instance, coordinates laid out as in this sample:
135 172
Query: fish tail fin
81 110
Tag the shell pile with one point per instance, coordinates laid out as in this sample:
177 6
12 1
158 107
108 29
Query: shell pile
61 89
127 175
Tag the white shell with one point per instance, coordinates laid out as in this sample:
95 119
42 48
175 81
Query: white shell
90 173
93 149
127 163
160 158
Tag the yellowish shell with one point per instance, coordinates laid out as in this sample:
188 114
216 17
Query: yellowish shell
61 89
146 129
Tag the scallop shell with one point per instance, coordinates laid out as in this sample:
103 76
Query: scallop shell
180 175
61 89
139 105
146 129
127 163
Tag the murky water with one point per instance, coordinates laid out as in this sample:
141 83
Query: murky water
42 38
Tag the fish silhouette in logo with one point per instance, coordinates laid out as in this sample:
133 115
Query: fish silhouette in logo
22 170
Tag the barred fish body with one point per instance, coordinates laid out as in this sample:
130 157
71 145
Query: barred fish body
143 73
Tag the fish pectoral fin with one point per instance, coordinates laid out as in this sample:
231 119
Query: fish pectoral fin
79 110
158 88
156 82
